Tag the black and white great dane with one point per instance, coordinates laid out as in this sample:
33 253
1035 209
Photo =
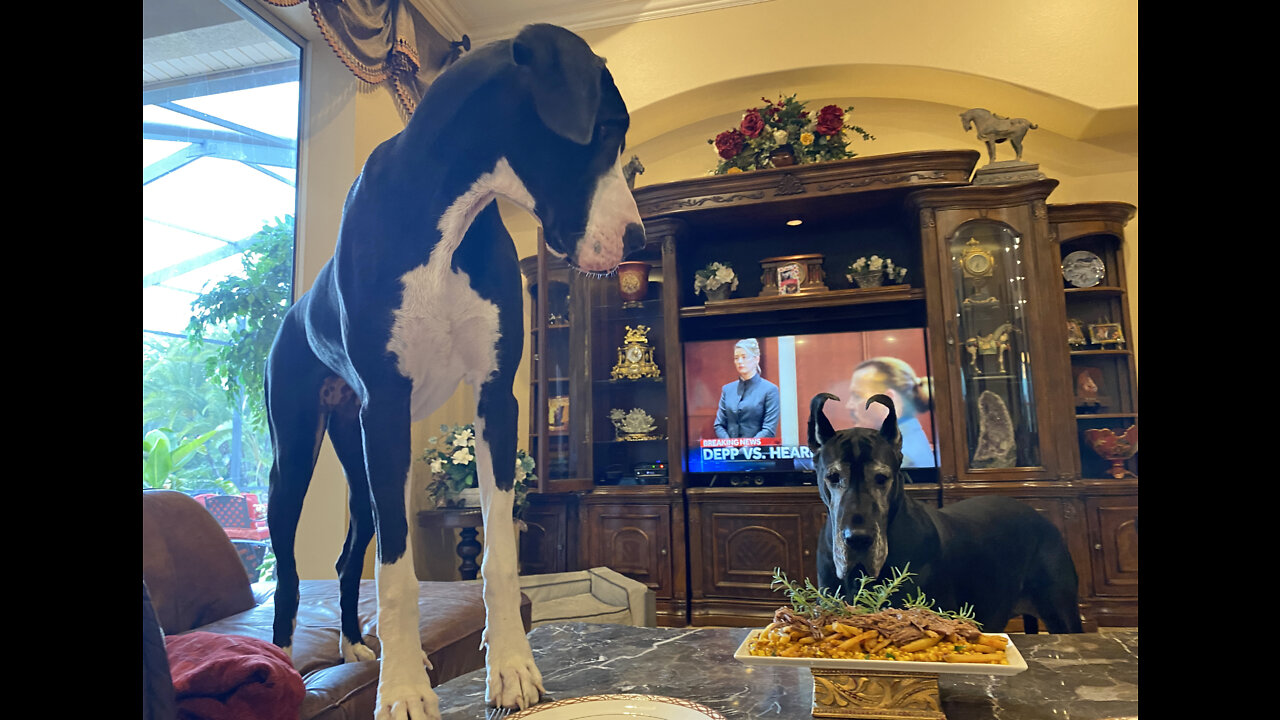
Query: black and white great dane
994 553
424 292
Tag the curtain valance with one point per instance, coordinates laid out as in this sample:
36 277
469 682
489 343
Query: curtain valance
382 41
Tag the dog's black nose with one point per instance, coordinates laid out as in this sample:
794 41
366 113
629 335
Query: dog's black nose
632 239
857 539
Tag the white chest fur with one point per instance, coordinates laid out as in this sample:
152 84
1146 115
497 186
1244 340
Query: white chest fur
444 332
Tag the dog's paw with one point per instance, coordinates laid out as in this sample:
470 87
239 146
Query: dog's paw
512 679
414 701
356 652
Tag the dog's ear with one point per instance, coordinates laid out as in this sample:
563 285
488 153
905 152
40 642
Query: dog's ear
564 79
820 429
889 428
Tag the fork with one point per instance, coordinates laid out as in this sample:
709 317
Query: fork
500 713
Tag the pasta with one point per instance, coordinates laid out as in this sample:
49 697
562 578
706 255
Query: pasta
794 636
819 624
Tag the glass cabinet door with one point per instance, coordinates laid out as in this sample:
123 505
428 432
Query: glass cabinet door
989 267
558 433
562 462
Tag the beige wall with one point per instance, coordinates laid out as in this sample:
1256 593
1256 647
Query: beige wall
908 68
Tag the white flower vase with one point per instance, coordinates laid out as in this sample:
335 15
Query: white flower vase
868 279
718 294
470 497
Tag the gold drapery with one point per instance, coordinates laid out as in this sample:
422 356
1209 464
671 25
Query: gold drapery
381 41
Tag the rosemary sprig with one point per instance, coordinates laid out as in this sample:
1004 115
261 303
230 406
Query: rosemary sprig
807 599
813 602
873 600
919 601
965 612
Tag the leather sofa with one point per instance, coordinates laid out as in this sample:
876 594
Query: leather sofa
196 582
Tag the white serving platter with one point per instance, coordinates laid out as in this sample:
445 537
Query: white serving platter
619 707
1016 663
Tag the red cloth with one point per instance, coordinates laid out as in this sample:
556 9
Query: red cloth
232 677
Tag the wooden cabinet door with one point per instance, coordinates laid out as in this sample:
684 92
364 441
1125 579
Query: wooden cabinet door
742 544
634 540
1113 536
544 544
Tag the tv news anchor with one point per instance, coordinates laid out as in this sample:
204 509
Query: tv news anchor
749 405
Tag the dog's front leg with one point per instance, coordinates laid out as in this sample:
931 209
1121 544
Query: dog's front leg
513 678
404 689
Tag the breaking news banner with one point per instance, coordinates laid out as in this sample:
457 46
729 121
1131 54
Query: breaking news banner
747 454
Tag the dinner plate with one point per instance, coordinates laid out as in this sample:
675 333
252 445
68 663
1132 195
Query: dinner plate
1083 269
619 707
1016 663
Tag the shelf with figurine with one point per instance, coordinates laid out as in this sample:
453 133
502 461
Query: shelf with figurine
1099 338
799 281
1102 388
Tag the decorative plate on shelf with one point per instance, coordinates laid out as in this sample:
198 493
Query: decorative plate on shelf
619 707
1083 269
1016 663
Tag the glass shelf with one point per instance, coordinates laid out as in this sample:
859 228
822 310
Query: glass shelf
1099 353
1096 290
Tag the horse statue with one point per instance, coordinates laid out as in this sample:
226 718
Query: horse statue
631 170
994 129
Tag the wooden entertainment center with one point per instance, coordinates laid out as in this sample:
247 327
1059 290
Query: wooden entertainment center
984 277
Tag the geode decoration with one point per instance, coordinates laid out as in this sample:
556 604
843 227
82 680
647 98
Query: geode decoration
996 446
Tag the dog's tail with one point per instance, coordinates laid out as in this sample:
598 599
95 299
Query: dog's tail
820 429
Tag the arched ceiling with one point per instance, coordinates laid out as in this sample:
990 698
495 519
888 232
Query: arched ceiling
897 82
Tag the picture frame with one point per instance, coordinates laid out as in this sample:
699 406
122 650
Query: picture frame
1075 333
790 276
1106 334
558 413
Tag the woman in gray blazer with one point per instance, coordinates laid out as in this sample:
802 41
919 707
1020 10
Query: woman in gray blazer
748 405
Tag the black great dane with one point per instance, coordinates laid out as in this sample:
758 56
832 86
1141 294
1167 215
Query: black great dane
994 553
424 292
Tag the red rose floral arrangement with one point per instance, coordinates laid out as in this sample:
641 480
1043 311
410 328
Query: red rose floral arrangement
785 128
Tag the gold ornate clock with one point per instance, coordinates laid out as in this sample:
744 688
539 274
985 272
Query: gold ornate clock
635 357
976 261
978 265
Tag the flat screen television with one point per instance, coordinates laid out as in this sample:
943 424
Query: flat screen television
748 436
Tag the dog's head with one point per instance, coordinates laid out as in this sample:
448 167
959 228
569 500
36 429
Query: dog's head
858 478
570 158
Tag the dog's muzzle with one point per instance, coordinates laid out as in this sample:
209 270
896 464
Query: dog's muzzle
600 254
859 550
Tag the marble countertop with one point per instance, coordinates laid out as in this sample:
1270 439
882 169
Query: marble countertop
1091 676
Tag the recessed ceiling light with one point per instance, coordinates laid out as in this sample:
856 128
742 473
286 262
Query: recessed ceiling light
794 222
